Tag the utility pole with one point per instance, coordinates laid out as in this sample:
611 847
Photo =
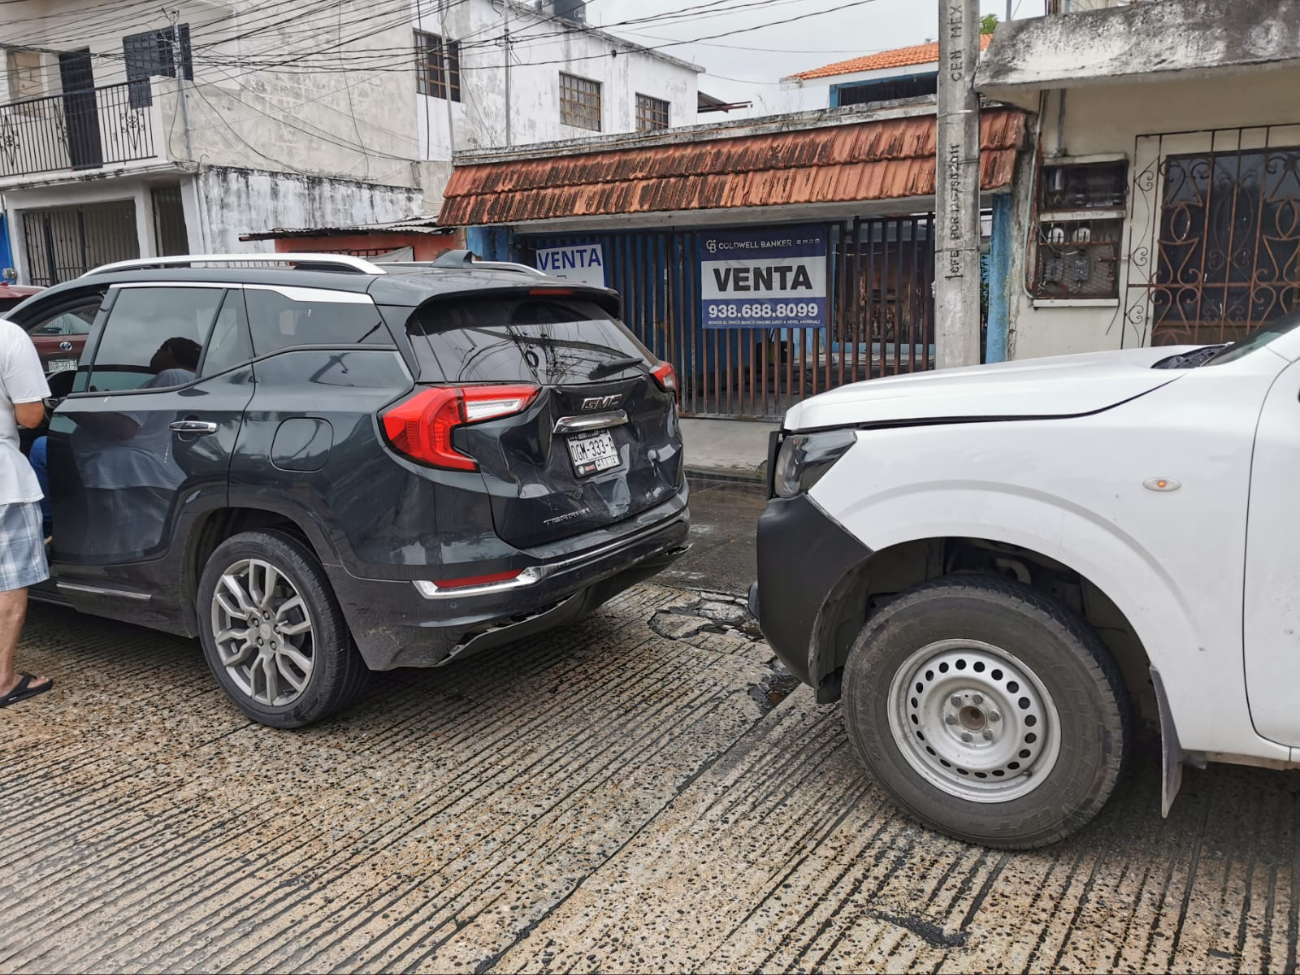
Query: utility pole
446 73
505 13
178 68
957 189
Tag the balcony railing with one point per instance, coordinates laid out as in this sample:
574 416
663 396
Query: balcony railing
77 130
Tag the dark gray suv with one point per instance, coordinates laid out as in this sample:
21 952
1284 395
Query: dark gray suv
327 467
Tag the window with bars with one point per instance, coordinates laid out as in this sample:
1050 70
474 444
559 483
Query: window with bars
152 53
651 114
437 66
579 102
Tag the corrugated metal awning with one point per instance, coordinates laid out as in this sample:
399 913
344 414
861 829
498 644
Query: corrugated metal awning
879 159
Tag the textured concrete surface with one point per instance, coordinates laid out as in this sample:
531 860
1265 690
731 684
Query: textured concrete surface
634 794
724 554
732 448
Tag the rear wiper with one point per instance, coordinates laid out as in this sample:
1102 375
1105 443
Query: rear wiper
616 365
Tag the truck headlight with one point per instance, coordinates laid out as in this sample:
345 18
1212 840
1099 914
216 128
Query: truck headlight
805 457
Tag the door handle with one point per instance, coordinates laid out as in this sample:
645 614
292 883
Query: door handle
193 427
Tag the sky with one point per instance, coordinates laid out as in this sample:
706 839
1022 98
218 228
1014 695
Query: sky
748 66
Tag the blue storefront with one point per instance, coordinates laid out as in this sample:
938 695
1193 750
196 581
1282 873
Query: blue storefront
6 251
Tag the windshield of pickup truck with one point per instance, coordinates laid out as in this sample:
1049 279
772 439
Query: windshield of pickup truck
1219 353
1256 340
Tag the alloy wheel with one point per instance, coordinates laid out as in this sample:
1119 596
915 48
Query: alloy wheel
263 632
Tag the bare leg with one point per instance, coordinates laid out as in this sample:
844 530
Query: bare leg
13 610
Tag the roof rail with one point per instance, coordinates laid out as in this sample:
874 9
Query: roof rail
331 262
466 259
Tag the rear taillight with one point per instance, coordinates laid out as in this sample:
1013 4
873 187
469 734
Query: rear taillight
421 427
666 376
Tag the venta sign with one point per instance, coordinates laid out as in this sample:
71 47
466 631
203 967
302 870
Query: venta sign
773 278
582 262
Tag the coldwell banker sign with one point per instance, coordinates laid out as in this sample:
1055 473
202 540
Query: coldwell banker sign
772 278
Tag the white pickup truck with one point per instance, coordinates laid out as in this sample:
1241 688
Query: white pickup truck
999 565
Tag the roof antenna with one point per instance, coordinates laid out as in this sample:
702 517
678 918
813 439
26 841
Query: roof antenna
457 258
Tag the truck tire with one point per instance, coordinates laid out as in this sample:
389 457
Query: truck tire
987 711
272 631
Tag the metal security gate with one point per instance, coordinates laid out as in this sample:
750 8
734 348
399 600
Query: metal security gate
66 242
881 318
1215 245
169 230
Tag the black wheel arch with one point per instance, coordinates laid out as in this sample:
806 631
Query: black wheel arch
889 572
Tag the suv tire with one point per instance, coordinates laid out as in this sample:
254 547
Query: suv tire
988 711
284 656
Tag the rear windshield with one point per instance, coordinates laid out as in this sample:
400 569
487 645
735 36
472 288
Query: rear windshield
507 339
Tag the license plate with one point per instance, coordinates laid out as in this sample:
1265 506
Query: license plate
593 452
62 365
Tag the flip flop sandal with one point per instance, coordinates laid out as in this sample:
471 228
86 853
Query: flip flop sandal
24 690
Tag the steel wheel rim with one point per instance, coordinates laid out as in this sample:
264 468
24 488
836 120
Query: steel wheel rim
974 721
263 632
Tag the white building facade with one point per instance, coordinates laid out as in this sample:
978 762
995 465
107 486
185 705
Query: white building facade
127 130
1162 203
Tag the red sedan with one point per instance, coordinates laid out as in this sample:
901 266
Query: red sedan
11 295
59 335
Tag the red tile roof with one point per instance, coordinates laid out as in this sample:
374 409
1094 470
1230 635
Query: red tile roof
870 160
899 57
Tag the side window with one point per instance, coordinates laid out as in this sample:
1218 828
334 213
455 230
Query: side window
290 317
69 321
154 338
229 345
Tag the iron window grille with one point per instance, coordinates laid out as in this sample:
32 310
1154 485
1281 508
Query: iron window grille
152 53
651 114
437 66
580 102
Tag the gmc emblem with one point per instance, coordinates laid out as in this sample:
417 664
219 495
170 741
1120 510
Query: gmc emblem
600 402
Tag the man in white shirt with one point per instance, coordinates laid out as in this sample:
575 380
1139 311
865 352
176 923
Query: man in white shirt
22 543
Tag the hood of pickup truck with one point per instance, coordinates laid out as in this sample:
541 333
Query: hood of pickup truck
1056 386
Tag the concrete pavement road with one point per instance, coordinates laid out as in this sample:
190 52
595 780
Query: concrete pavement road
723 555
639 792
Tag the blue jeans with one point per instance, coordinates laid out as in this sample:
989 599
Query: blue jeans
37 458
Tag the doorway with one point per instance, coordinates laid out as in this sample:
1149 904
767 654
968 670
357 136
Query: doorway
80 109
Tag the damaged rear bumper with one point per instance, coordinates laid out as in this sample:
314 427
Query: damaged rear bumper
394 626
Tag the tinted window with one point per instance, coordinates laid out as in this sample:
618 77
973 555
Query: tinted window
524 339
281 322
154 338
69 321
7 303
229 345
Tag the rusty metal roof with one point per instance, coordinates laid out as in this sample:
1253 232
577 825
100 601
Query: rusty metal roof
871 160
899 57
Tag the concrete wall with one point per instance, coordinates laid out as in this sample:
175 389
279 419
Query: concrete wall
541 50
1148 40
1106 122
233 202
349 108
